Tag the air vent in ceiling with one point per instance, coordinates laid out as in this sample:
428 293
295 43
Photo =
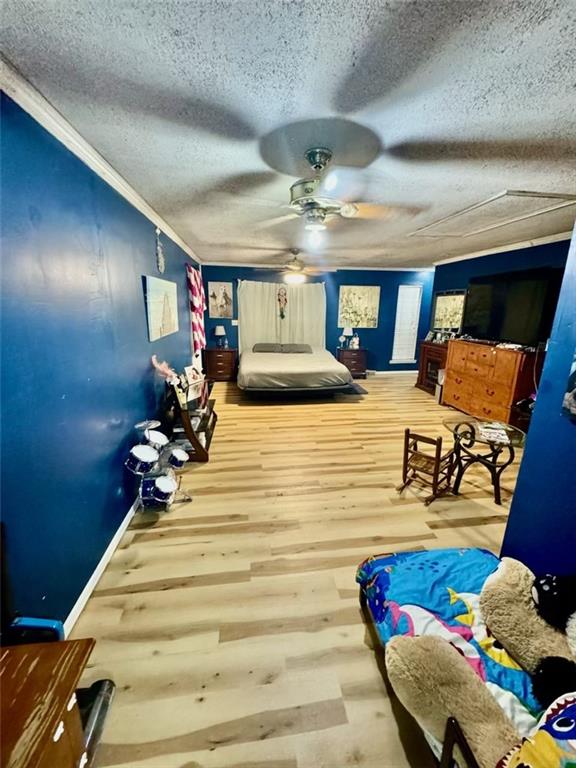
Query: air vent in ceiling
505 208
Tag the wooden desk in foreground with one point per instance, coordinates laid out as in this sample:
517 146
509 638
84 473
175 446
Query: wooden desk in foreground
41 724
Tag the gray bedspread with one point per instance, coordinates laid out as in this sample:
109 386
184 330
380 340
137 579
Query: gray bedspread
271 370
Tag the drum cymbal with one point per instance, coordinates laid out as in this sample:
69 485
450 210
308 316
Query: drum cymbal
148 424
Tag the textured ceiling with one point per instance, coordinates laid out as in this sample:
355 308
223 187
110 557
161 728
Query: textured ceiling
194 103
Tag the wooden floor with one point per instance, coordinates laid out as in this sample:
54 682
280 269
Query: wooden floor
231 625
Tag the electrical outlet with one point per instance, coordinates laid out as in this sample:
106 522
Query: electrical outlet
234 322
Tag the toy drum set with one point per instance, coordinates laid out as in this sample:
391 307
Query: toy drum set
155 460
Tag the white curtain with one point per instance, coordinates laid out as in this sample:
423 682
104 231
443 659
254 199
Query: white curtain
260 310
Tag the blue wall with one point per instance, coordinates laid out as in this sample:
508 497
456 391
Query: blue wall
377 341
541 528
76 371
459 273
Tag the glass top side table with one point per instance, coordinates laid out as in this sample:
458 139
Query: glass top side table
488 443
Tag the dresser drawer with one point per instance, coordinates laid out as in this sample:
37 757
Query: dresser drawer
505 366
458 354
459 382
483 409
352 355
492 392
478 370
354 360
481 355
220 364
455 397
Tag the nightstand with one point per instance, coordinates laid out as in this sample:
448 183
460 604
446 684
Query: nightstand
220 364
354 360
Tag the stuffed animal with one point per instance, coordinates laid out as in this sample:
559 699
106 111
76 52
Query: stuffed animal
434 682
555 600
509 611
163 369
553 744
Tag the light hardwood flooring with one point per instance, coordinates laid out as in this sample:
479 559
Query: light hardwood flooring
231 625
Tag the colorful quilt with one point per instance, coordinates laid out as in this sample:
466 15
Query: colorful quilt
437 592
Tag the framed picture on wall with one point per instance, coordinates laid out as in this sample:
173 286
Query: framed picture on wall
358 306
161 307
448 310
220 300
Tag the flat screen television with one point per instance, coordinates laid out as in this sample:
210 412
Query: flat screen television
516 307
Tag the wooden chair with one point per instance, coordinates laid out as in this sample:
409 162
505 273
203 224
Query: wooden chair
429 468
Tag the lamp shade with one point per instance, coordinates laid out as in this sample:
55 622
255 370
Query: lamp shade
347 332
219 330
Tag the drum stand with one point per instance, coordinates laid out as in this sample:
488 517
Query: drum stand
180 496
162 467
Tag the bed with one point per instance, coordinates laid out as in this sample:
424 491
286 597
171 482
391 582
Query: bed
317 370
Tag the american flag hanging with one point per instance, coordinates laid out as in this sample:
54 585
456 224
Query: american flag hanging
197 304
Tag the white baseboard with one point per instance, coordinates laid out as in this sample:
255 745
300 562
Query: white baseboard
78 607
390 373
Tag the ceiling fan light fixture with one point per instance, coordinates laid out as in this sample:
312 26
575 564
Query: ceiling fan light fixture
295 278
315 218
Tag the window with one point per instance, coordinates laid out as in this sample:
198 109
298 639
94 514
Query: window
406 327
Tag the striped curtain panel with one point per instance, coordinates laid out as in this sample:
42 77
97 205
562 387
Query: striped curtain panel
197 303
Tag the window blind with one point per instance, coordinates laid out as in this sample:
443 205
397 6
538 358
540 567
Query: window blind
406 326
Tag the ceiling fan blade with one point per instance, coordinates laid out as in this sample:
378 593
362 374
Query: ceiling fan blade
276 221
382 212
233 187
313 271
390 60
481 150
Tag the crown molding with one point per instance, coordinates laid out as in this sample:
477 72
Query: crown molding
505 248
319 270
38 107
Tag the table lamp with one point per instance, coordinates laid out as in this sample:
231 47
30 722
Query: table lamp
348 333
220 333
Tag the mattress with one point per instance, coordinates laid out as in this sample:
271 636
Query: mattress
272 370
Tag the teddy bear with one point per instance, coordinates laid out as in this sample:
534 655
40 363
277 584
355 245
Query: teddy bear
531 621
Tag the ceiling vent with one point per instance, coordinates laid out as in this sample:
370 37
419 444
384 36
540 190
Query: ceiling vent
498 211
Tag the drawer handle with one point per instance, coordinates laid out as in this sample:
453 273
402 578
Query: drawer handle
71 703
59 731
83 760
490 392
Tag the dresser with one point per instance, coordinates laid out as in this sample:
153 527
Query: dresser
486 381
41 724
354 360
432 358
220 364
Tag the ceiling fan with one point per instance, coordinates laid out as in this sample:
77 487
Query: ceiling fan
311 199
295 270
